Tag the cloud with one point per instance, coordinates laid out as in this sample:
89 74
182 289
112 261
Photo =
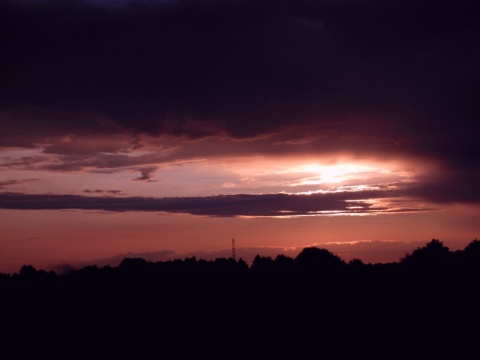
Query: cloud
348 202
110 192
5 184
457 185
55 126
390 79
246 67
146 173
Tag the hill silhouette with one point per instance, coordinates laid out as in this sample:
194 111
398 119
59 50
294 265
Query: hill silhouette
425 304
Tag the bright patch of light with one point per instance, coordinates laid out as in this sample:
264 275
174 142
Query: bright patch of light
330 174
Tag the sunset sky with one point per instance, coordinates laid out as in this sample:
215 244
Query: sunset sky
165 128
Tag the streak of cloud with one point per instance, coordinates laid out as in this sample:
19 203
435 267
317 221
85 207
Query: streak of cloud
5 184
97 191
283 205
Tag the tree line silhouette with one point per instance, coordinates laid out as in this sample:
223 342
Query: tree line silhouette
426 300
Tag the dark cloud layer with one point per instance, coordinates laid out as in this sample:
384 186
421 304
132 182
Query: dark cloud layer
218 205
247 66
396 76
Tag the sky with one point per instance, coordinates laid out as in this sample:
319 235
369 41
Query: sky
167 128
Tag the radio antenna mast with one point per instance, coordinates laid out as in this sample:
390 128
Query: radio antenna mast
233 248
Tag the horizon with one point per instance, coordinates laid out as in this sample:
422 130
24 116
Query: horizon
169 127
369 252
248 256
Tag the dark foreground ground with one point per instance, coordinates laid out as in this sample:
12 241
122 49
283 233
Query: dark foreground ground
314 306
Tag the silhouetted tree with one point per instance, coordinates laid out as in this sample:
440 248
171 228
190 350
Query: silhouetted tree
433 253
284 263
472 250
28 272
356 263
242 265
133 264
316 259
262 264
469 261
